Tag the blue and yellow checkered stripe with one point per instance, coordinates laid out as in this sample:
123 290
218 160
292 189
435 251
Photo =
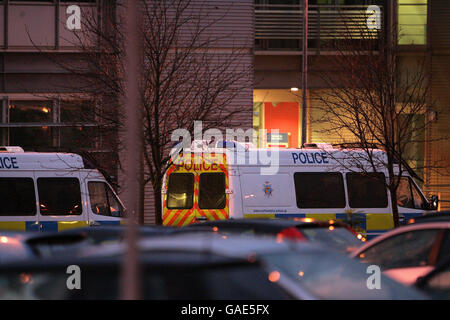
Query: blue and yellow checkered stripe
50 225
369 225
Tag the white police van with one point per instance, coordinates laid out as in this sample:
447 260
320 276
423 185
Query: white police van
52 192
306 183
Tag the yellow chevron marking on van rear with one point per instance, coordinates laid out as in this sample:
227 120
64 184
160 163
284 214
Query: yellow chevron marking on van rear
65 225
13 225
379 221
321 216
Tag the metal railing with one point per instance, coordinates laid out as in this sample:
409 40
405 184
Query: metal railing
283 24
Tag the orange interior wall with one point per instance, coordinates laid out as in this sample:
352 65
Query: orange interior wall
284 117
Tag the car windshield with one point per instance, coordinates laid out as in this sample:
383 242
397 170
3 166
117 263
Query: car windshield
334 276
338 238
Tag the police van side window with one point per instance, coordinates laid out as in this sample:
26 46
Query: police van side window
212 191
180 193
103 200
319 190
367 190
59 196
17 197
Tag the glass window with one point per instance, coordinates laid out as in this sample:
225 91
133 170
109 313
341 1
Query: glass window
32 138
409 249
319 190
17 197
212 191
419 202
408 196
59 196
103 200
180 193
404 196
30 111
367 190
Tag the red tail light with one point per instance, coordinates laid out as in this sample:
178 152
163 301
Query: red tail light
291 233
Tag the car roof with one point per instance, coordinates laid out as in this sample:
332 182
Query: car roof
275 223
230 245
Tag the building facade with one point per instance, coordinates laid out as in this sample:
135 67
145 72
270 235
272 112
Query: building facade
42 109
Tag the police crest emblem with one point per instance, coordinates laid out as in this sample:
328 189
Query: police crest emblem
267 189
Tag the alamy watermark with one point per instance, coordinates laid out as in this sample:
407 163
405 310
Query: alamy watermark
374 280
212 141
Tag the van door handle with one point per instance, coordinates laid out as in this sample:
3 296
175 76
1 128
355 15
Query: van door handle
93 224
201 219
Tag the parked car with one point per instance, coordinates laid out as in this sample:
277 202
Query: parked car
408 252
299 270
21 245
332 233
13 246
436 283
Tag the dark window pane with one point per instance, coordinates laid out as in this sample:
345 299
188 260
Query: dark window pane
180 193
59 196
17 197
78 137
212 191
319 190
367 190
30 111
31 139
77 112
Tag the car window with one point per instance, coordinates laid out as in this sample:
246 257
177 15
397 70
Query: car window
444 252
367 190
103 201
17 197
409 249
180 192
404 195
408 196
59 196
311 188
212 191
438 285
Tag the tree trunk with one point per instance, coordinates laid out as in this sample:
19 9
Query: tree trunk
393 191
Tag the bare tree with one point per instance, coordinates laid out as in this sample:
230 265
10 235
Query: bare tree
183 77
373 104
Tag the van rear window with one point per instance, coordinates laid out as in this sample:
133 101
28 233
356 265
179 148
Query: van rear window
367 190
59 196
212 191
180 193
17 197
319 190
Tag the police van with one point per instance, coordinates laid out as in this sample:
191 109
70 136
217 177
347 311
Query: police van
53 192
223 183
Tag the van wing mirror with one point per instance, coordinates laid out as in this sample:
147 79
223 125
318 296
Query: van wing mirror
434 202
